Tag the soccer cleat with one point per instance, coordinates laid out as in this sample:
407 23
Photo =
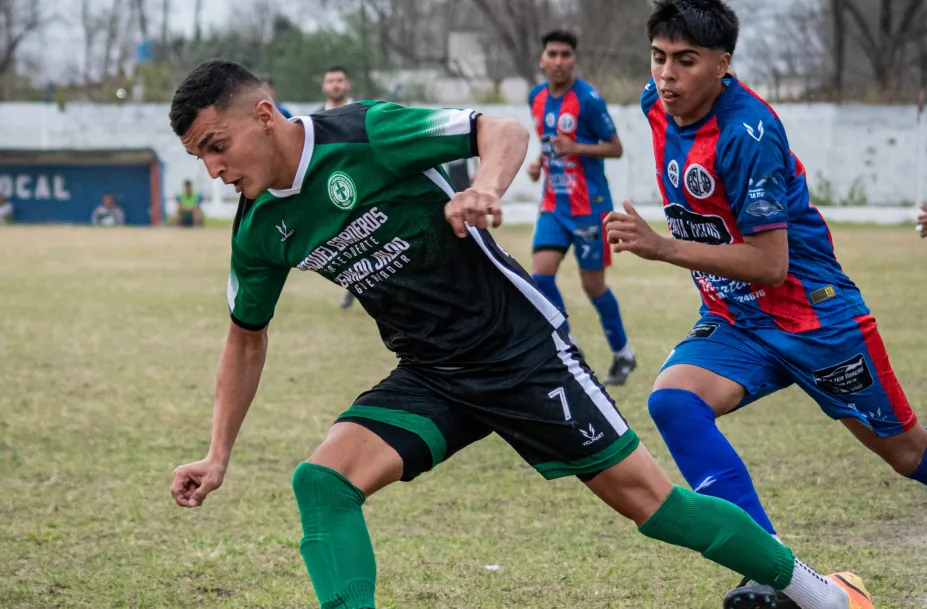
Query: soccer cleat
620 369
347 301
751 595
856 591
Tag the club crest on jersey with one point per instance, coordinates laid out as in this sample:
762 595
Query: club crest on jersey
341 190
699 182
550 120
672 170
567 123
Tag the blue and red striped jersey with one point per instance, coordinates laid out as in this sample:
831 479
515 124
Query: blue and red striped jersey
732 174
575 185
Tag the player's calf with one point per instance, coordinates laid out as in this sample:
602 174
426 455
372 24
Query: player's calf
706 459
906 452
720 531
349 465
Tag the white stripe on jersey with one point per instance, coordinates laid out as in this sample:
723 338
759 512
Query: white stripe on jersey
594 392
232 291
451 122
540 302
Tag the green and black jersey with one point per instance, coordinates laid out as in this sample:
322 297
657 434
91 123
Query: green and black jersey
366 211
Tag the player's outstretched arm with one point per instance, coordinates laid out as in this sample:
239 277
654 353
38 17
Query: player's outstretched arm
762 258
503 144
237 381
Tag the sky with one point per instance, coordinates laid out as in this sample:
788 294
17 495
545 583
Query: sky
59 48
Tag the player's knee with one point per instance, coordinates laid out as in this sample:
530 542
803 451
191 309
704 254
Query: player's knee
593 283
676 408
316 485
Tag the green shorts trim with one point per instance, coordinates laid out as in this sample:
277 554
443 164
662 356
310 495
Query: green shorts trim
422 427
614 453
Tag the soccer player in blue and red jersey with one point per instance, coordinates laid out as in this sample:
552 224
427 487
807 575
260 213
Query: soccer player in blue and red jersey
777 307
577 134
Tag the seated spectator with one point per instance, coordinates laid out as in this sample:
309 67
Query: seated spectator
189 212
108 214
6 211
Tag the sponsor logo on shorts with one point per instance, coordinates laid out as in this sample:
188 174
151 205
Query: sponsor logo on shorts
591 436
588 234
702 330
851 376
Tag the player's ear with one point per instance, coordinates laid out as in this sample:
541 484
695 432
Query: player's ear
264 113
724 63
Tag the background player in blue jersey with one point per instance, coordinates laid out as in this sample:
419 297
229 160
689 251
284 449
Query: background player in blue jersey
577 134
777 308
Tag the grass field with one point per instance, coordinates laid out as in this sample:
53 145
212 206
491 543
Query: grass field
108 347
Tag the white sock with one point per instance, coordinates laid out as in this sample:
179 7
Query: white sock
625 352
812 590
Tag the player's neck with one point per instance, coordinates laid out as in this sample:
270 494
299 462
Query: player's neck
337 104
702 111
292 141
559 89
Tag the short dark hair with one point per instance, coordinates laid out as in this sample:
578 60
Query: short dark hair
706 23
331 69
559 36
212 83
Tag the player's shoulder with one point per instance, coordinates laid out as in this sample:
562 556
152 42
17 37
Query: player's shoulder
586 91
746 119
536 90
649 96
743 108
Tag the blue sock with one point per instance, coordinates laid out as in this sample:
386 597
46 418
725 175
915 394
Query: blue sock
706 459
610 316
920 474
548 287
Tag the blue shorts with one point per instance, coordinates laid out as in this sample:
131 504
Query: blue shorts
585 233
843 367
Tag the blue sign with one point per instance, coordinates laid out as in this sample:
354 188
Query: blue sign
69 193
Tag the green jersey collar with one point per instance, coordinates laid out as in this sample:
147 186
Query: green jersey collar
303 160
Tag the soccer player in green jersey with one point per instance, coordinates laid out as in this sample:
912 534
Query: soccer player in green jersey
355 195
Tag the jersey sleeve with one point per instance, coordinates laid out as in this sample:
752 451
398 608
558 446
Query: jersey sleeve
414 140
754 170
600 121
253 289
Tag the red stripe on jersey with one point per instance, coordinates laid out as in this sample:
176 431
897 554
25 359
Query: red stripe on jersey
573 166
788 305
538 105
879 357
703 153
658 124
538 110
606 248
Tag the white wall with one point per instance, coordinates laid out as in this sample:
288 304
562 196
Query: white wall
871 145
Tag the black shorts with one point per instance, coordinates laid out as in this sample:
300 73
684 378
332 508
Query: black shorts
546 404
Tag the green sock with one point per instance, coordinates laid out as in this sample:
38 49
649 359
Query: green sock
336 546
723 533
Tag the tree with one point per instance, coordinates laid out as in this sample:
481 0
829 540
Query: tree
886 40
19 19
518 26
